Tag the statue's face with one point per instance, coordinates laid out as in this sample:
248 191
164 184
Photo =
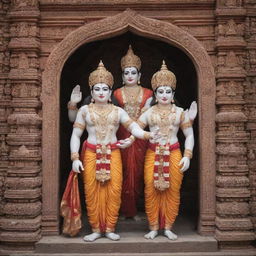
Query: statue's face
164 95
131 76
101 93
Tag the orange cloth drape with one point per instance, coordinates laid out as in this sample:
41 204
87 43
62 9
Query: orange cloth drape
162 206
102 200
70 207
133 163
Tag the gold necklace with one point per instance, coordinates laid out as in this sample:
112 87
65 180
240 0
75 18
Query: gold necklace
100 118
132 99
164 118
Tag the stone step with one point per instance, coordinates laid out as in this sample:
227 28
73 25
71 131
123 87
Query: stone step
130 243
218 253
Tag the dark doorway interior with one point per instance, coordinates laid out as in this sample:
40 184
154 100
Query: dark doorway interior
151 52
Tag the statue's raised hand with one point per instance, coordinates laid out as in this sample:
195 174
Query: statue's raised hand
77 165
76 95
192 112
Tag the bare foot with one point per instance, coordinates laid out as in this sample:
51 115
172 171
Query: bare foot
92 237
151 235
170 234
112 236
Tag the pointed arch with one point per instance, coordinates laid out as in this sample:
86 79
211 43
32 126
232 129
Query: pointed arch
107 28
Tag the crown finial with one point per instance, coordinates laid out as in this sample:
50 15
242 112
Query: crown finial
163 77
101 75
130 60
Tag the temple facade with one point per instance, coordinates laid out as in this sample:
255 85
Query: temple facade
49 46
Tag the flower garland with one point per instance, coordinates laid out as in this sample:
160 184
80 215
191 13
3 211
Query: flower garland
161 167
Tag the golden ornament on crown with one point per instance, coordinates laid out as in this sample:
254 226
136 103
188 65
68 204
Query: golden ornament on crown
164 77
101 75
130 60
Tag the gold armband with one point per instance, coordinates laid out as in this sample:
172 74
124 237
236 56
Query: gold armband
127 124
74 156
186 125
78 125
141 124
146 136
188 153
182 117
71 106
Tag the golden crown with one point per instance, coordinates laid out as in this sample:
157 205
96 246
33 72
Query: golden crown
130 60
101 75
164 77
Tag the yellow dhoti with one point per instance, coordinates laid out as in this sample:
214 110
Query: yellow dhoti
102 200
162 206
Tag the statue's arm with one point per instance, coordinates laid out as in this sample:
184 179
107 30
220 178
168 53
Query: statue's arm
75 98
187 130
133 127
78 129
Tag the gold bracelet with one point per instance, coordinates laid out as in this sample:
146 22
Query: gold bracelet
74 156
71 106
132 138
188 153
146 136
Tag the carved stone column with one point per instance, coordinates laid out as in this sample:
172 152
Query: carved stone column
22 209
4 97
233 223
250 99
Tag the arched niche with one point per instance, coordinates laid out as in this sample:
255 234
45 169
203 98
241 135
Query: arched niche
108 28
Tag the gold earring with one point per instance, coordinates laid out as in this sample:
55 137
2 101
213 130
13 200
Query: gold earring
138 81
92 100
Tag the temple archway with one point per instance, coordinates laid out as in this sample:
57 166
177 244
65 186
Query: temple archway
109 28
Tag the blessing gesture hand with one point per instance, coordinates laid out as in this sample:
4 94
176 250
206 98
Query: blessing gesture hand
76 95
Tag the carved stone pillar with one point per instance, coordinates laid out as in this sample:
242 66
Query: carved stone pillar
233 223
22 195
250 99
4 97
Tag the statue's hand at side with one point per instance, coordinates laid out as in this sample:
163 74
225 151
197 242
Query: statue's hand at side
192 112
77 166
76 95
184 162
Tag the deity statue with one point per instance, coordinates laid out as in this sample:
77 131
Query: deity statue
102 163
132 98
164 164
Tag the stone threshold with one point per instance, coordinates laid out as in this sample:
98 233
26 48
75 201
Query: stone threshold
131 242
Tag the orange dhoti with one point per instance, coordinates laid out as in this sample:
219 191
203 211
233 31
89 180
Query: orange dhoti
162 206
102 200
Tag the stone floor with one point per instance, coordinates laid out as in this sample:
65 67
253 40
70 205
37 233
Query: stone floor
132 243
